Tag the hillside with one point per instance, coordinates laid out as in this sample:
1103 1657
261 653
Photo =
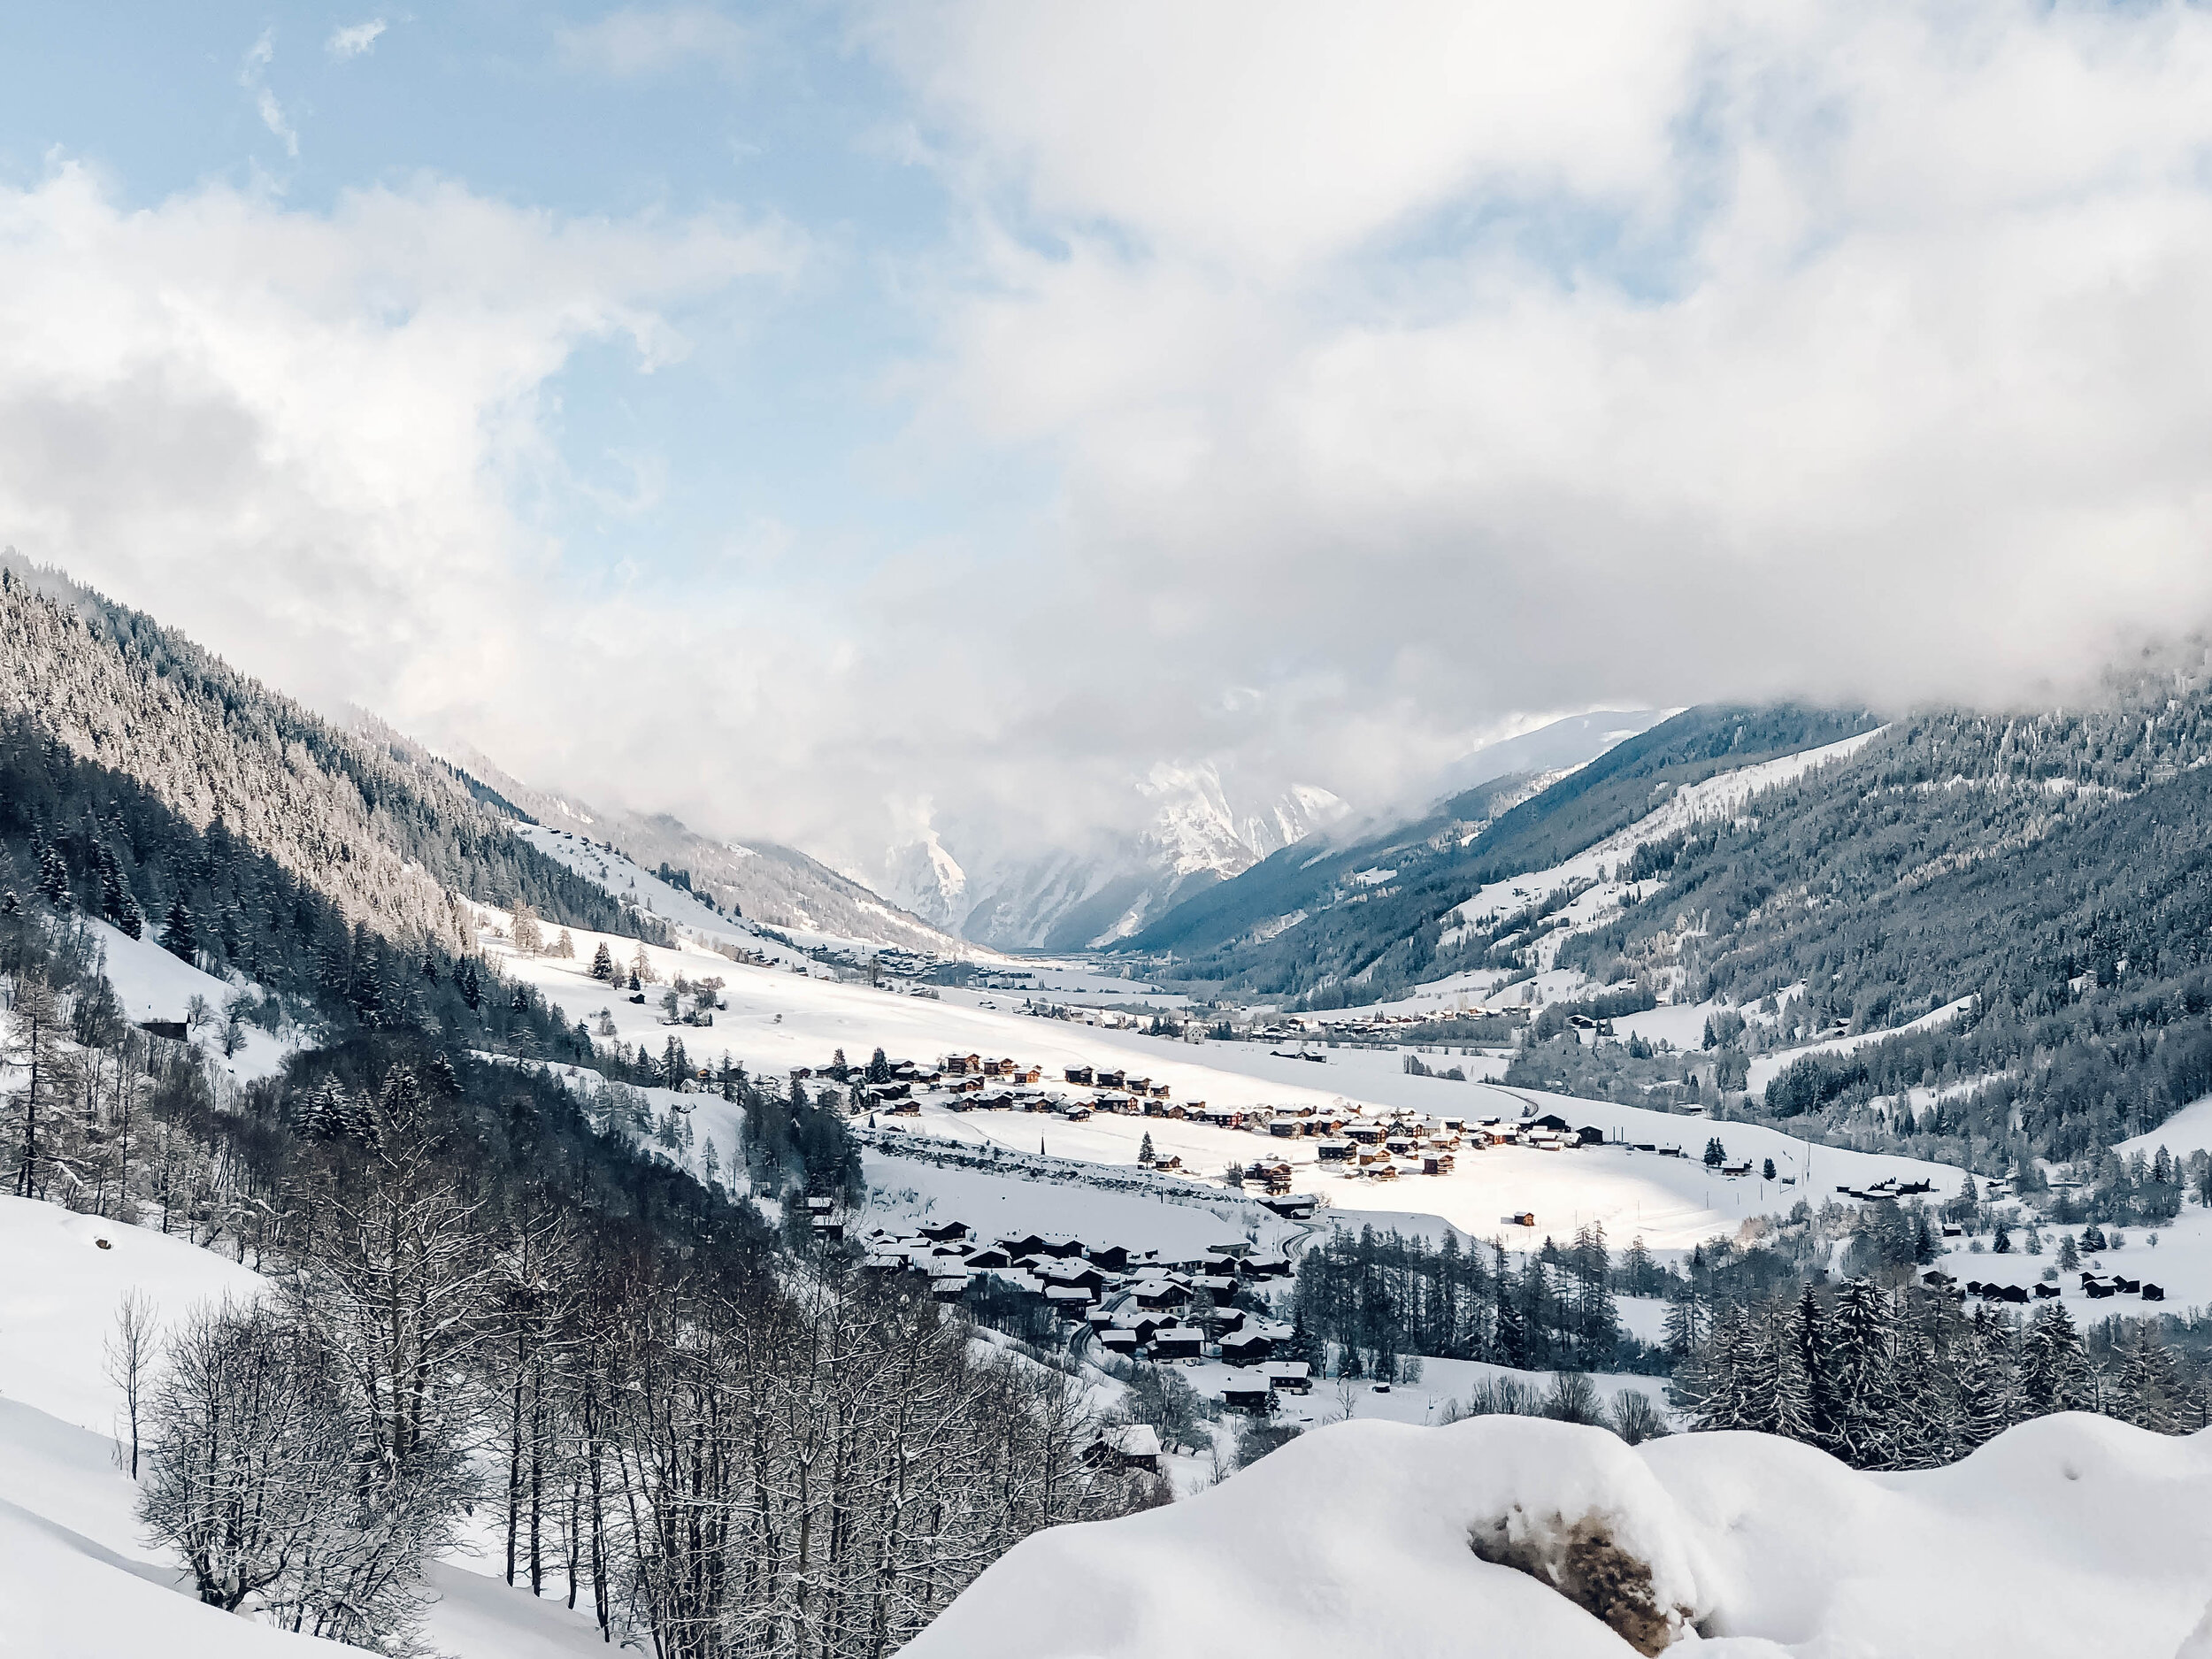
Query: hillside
765 882
1372 913
387 838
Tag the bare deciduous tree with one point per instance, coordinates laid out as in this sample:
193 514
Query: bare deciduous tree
127 1355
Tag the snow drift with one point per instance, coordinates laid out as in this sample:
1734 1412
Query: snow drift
2069 1536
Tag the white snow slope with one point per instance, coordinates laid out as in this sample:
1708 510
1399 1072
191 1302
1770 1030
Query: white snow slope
2072 1537
77 1581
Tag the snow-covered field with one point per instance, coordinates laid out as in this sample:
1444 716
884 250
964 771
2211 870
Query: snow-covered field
2188 1130
2070 1537
776 1020
76 1581
2179 1263
151 984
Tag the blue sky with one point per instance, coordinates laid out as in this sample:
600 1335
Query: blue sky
852 420
772 425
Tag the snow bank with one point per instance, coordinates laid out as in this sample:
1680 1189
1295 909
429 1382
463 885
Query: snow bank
77 1580
59 1289
2071 1536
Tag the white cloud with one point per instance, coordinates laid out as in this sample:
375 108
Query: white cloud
301 437
272 116
1403 370
353 38
251 71
1414 363
646 42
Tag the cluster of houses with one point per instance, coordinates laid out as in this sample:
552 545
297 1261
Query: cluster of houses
1891 1188
2096 1287
1386 1148
1369 1027
1349 1141
1133 1304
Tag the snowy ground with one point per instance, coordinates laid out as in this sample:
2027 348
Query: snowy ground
151 984
1670 1203
776 1020
2181 1263
2188 1130
913 1190
76 1582
2068 1538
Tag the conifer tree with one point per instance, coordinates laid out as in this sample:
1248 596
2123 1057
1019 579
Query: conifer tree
177 937
1860 1358
53 877
2148 1392
1688 1325
602 964
1808 1333
36 1028
1989 1384
2054 1368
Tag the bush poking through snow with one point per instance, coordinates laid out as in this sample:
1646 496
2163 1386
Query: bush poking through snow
1581 1561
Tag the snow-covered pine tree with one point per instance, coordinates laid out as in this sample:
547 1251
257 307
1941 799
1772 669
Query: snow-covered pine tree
2054 1368
1728 1375
602 964
1808 1332
178 938
1988 1381
2147 1392
1860 1366
53 877
1787 1405
1689 1322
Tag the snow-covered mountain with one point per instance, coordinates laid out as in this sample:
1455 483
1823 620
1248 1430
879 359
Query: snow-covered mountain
1199 828
777 885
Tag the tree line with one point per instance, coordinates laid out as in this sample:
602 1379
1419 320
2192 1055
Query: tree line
1373 1297
1910 1379
703 1442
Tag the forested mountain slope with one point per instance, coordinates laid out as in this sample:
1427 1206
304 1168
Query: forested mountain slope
2055 868
1372 912
777 885
387 841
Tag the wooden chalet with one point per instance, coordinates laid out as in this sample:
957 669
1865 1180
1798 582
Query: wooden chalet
1248 1394
1177 1342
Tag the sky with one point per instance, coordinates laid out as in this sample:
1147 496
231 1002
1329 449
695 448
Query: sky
828 420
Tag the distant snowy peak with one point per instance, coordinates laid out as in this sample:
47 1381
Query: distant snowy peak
1199 825
923 878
